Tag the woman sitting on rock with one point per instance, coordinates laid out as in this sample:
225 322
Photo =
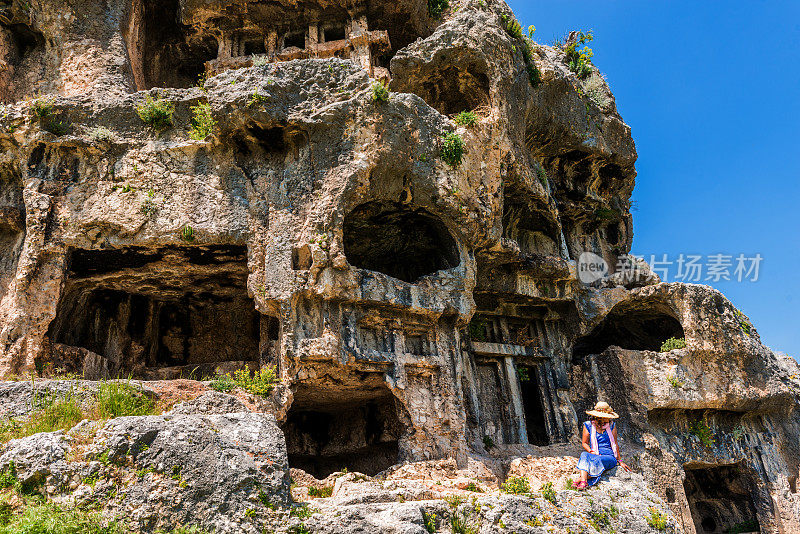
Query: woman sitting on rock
600 441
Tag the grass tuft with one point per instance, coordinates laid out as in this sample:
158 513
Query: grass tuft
53 519
156 113
118 399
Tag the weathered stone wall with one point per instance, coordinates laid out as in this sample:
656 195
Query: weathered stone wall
433 309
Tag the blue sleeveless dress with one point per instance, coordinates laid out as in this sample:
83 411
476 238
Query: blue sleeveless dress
597 464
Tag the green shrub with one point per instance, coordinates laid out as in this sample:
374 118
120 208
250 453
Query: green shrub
430 521
673 343
187 234
466 118
8 476
301 512
223 383
299 529
675 382
43 108
488 442
703 432
579 56
6 512
452 149
512 26
534 75
437 7
118 399
325 491
101 134
52 519
256 99
156 113
600 519
523 374
516 485
548 493
657 519
379 92
744 323
203 122
260 383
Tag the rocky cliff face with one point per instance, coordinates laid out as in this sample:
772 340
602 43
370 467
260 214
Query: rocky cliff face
418 304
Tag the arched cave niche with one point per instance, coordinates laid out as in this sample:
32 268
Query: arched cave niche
720 499
634 325
527 223
158 313
402 242
162 51
22 50
456 88
353 424
403 20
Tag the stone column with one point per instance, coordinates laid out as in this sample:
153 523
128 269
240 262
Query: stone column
359 37
518 413
271 43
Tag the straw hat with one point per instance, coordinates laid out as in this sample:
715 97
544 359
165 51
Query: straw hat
603 410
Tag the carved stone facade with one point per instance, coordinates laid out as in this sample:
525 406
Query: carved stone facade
413 310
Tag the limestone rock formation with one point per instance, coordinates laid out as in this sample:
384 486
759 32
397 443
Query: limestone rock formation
193 188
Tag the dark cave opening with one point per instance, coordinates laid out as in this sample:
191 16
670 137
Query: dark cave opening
402 242
259 140
295 39
633 325
530 226
720 499
164 52
254 46
328 429
21 49
457 89
145 310
531 393
333 32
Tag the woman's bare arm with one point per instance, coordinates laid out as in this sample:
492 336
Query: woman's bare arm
585 442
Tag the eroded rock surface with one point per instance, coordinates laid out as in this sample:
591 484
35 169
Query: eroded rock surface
425 319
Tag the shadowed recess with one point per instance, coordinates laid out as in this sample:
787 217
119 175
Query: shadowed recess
402 242
328 430
720 500
636 325
139 311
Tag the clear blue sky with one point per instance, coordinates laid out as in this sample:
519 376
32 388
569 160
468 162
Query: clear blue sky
711 91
